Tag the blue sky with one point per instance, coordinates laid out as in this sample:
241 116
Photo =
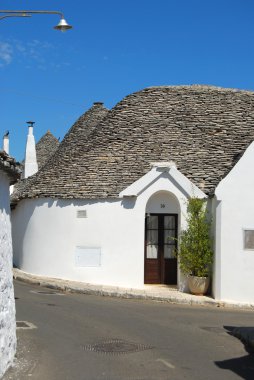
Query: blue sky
115 48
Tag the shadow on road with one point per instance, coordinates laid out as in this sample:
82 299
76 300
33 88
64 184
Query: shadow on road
243 366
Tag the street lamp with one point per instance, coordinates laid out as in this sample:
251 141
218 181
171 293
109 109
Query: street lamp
62 25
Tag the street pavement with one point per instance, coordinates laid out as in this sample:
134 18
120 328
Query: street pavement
78 336
149 292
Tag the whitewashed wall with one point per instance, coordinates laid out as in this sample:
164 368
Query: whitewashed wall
234 267
46 232
7 305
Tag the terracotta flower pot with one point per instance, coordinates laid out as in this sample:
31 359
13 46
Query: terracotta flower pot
198 285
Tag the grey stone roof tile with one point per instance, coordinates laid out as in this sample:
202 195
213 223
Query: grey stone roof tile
204 129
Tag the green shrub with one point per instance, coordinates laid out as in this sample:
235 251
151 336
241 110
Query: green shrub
195 251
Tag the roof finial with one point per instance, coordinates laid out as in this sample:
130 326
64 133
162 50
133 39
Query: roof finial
30 123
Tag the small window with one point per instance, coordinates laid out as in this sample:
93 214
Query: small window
81 214
249 239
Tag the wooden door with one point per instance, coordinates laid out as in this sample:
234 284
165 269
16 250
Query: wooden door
160 246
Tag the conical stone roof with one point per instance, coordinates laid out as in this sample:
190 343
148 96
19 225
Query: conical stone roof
45 147
59 165
203 129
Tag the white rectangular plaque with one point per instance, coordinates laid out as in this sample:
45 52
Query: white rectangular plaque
88 256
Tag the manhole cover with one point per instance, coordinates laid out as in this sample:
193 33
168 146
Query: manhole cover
116 346
46 292
24 325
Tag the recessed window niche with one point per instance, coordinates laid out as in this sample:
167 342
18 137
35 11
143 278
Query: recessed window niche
81 214
248 239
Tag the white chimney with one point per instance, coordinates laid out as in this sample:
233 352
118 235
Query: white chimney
6 142
31 166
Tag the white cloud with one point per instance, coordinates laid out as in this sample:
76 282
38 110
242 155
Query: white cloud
6 53
32 53
32 50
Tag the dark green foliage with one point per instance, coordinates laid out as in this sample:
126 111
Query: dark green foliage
195 251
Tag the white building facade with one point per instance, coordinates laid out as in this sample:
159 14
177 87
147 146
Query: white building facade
234 244
100 241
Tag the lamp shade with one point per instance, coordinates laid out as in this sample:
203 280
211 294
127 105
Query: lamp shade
63 26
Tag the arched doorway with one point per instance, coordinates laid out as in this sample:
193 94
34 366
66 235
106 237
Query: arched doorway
161 232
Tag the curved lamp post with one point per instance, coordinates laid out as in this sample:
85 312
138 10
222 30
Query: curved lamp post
62 25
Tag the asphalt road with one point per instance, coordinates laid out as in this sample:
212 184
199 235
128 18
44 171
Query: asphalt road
80 337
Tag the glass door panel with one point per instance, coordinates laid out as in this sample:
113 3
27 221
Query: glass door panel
152 252
152 222
152 236
169 252
169 222
169 237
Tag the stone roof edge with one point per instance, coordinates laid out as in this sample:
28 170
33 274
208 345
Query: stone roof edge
200 86
10 166
16 200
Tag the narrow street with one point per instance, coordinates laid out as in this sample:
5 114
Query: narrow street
76 337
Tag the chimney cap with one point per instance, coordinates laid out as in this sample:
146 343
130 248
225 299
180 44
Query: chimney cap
98 103
30 123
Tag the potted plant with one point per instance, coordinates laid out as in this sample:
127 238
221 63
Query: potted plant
195 252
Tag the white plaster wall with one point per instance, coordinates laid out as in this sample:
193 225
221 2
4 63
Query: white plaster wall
46 232
234 271
7 305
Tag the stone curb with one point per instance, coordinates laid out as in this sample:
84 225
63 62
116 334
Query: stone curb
83 288
174 296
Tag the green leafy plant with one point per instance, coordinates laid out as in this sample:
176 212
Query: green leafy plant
195 251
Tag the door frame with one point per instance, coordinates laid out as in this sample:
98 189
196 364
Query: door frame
161 259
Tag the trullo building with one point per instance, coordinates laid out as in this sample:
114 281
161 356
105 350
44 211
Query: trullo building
102 207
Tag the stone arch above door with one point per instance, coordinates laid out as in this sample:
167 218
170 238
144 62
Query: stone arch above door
163 202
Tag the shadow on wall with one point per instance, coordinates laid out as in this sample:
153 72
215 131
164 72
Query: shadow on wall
129 203
79 202
20 218
242 366
4 200
4 209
